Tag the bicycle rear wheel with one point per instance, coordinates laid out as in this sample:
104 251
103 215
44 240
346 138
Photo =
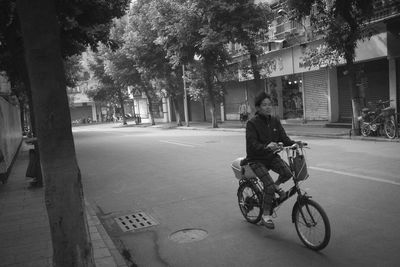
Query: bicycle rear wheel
312 224
365 129
250 201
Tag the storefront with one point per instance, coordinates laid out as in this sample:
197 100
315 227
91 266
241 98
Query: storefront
300 92
292 97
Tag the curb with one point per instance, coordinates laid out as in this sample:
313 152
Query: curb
346 135
294 133
105 252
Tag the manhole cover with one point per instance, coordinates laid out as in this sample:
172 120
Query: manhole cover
188 235
135 221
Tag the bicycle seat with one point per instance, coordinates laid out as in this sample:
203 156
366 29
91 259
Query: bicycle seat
244 161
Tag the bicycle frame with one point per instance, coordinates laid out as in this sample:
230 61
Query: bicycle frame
290 151
307 215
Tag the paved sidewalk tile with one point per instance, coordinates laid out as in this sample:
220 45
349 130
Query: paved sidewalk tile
25 238
24 229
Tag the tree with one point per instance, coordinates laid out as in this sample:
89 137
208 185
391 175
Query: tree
204 28
185 30
140 44
342 23
43 53
246 23
109 87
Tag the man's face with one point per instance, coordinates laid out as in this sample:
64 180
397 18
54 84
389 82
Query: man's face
265 107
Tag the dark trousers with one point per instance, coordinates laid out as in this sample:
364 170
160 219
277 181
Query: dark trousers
261 169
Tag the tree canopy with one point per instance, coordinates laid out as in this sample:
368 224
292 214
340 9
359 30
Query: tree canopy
82 24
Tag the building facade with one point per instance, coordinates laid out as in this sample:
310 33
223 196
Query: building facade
303 93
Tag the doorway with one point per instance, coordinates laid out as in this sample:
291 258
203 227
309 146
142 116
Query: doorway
292 97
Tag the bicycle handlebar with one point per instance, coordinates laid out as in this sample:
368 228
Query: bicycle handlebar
298 144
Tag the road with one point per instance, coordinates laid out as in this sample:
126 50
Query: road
182 181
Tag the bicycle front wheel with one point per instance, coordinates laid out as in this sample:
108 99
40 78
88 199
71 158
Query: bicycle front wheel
250 201
312 224
390 129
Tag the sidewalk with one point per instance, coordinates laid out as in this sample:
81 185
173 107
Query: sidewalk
310 129
24 228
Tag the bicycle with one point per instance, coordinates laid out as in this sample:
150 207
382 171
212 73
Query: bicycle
391 126
244 117
310 220
380 120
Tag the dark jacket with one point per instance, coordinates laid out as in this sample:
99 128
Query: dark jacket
260 131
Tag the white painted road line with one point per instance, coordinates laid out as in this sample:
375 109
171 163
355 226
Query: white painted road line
176 143
360 176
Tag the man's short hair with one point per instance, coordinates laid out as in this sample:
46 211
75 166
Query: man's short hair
260 97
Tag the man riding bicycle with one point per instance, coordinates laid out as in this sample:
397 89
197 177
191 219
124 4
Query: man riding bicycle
263 132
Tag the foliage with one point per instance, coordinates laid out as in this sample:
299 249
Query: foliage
102 68
202 29
73 70
195 79
150 58
341 22
82 24
321 56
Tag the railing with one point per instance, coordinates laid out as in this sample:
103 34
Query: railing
385 9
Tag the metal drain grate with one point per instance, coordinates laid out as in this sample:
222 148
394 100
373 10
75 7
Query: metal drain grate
135 221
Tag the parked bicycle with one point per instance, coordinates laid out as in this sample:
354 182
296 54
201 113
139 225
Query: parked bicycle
391 125
310 220
244 118
378 121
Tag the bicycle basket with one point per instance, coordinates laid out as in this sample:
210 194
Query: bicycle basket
300 167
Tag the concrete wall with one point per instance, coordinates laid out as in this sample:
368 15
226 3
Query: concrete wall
10 133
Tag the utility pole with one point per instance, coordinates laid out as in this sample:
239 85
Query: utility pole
185 104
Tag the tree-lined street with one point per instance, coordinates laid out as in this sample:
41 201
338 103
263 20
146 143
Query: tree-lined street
163 60
183 180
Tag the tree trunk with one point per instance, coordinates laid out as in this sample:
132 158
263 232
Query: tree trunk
150 107
256 72
22 116
214 122
39 175
203 102
121 103
63 187
355 97
175 103
210 91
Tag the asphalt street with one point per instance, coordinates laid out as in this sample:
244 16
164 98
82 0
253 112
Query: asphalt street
183 182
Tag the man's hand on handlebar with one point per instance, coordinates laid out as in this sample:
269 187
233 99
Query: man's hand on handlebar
273 147
301 143
278 147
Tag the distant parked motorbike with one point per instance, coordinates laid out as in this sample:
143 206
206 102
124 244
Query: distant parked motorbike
378 121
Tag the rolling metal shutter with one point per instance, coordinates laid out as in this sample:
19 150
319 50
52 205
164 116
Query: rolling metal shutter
315 96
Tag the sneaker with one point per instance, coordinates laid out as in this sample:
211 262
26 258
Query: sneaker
267 222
